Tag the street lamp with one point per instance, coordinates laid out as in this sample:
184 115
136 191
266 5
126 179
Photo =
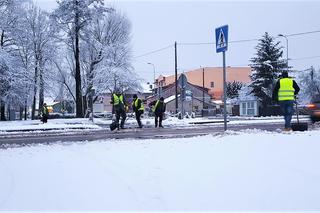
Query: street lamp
284 36
154 74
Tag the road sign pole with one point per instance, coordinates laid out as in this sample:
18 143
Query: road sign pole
222 46
182 99
224 91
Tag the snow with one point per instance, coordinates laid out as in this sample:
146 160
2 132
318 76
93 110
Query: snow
170 98
53 124
250 170
70 125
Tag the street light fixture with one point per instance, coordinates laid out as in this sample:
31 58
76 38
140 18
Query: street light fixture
284 36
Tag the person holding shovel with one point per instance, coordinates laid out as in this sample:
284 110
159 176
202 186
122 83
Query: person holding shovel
285 92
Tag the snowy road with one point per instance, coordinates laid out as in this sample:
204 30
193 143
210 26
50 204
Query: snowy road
145 133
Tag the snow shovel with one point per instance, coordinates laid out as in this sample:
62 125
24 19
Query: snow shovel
299 126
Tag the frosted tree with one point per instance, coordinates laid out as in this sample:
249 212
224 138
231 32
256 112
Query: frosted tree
309 83
34 39
107 54
266 66
11 73
71 17
42 37
233 89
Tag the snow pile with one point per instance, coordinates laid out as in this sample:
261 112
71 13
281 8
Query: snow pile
53 124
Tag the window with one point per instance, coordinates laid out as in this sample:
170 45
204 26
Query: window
248 108
211 84
244 108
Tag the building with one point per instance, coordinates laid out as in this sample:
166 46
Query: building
211 77
246 104
195 98
105 99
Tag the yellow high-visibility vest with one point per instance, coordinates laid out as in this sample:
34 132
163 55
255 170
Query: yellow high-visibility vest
286 90
136 104
117 100
155 106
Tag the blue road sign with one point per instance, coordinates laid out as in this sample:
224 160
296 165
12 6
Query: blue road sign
222 38
182 81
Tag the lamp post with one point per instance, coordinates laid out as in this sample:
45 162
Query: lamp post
154 74
284 36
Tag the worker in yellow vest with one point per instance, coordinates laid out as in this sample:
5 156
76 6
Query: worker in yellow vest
285 92
45 113
159 108
138 109
118 101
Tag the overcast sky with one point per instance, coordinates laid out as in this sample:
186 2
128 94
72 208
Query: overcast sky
158 24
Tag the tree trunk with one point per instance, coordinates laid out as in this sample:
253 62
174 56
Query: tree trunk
25 110
79 108
85 104
3 110
21 113
41 89
34 93
9 113
2 104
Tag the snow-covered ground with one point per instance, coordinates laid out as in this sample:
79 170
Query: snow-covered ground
248 170
8 127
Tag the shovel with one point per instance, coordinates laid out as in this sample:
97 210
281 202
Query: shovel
299 126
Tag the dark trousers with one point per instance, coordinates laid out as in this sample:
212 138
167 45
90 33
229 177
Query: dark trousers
138 117
287 110
121 113
156 118
44 118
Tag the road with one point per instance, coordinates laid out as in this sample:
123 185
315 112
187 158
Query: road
44 137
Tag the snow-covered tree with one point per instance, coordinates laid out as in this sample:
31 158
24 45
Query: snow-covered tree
71 17
107 54
266 66
10 12
34 41
233 89
309 83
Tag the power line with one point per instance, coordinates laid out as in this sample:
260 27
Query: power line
247 40
213 43
296 34
154 51
303 58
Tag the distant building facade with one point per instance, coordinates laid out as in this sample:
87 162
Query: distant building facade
194 99
211 77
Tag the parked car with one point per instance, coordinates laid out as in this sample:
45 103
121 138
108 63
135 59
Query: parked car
314 109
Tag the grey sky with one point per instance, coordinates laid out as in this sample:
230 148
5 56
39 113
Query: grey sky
157 24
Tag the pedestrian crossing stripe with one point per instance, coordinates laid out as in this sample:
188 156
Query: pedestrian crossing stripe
221 40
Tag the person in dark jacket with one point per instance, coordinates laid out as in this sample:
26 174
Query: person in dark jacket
138 109
45 113
118 101
158 107
285 92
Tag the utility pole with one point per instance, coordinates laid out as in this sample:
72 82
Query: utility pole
176 74
202 90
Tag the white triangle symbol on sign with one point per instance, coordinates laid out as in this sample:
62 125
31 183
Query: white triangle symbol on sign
221 40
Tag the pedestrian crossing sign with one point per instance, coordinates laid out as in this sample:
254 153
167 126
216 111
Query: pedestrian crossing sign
222 39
